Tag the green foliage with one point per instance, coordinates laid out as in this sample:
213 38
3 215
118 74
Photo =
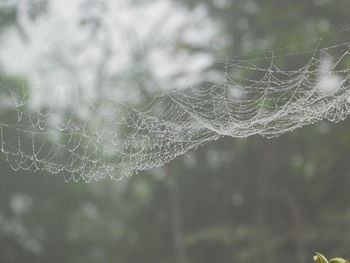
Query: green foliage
319 258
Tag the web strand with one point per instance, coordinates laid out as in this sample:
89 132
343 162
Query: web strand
256 97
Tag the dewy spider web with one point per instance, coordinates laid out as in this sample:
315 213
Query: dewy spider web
256 97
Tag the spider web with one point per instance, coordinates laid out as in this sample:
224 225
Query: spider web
257 96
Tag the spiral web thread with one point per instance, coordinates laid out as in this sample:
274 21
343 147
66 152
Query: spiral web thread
256 97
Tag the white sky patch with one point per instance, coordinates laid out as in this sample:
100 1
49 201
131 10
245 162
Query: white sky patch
67 62
328 82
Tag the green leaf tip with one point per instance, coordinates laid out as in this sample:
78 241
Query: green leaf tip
319 258
338 260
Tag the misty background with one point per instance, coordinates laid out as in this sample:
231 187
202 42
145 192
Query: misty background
233 200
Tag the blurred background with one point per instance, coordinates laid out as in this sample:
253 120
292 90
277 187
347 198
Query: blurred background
234 200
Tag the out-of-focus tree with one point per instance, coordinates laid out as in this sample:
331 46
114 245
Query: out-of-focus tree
244 200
